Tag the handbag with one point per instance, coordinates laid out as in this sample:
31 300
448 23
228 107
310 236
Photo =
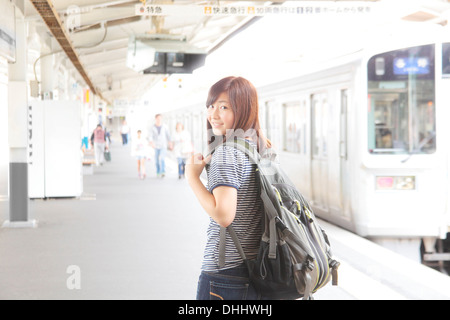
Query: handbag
107 155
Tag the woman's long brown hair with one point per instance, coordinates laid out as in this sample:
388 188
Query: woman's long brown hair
243 98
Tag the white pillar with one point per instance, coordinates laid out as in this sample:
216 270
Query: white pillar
18 130
47 71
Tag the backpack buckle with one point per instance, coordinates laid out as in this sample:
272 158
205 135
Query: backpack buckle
334 265
309 264
280 224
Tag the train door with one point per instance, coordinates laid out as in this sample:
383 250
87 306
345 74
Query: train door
319 152
445 103
344 179
292 127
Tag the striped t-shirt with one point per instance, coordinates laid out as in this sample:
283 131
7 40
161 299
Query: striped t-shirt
231 167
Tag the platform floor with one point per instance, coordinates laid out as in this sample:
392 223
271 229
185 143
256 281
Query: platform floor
139 239
144 239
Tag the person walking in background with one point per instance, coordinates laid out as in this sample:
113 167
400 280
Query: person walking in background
108 137
124 131
99 142
182 147
231 195
139 150
160 141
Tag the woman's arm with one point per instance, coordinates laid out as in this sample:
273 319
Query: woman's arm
221 204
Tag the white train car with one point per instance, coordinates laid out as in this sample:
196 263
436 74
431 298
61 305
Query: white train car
366 139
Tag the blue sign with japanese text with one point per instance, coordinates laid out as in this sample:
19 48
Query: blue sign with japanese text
411 66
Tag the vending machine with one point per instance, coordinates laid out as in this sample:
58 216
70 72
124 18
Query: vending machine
54 149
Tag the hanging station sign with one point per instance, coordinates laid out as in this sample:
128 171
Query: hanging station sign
303 8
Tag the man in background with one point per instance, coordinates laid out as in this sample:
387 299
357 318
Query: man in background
160 140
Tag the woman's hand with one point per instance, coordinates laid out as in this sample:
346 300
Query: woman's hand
195 165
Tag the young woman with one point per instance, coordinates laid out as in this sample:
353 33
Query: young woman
232 192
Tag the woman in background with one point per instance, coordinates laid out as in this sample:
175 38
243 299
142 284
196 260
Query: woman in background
140 152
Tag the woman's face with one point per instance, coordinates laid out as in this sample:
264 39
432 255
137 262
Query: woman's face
220 115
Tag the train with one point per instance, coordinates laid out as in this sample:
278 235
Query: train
365 138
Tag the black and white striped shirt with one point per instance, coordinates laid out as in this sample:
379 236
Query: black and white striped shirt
231 167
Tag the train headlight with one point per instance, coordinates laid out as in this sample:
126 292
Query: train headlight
395 183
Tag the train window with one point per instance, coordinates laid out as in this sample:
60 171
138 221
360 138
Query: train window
292 127
446 60
273 123
401 102
343 124
304 124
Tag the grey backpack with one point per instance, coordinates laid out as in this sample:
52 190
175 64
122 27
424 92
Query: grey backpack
294 258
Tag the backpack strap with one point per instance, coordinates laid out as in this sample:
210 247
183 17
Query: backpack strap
237 243
222 239
242 145
270 209
252 153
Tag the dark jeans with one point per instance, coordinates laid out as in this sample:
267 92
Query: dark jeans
230 284
124 138
181 166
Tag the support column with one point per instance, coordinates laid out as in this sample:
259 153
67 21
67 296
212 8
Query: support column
47 72
18 132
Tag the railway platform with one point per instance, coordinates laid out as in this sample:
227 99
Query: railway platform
126 238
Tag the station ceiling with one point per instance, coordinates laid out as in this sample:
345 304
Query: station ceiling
94 34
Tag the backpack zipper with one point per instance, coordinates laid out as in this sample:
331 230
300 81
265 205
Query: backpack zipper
323 256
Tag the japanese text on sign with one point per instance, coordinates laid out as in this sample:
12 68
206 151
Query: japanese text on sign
331 8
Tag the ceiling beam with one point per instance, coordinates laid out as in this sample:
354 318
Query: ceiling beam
52 20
